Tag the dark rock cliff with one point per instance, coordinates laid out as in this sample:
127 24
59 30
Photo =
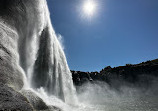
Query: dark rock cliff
142 74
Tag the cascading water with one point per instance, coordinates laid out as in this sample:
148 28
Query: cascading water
43 59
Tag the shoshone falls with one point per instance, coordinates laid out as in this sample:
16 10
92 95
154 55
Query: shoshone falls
33 66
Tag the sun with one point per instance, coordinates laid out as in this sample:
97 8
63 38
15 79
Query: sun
89 8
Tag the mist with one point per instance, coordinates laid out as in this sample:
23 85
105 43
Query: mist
100 96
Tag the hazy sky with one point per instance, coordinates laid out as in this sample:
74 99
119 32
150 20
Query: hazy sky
120 32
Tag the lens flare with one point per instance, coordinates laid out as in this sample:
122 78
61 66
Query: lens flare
89 7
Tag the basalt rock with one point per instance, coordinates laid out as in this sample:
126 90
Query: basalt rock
143 74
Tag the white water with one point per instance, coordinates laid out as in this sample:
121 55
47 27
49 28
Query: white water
57 77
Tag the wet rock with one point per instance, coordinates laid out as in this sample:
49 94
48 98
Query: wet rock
11 100
35 100
37 103
10 71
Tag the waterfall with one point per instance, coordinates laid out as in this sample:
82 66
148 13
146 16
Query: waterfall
42 57
33 63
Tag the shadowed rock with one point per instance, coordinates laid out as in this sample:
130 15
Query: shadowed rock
143 74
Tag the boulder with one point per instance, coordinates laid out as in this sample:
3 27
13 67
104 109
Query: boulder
37 103
35 100
11 100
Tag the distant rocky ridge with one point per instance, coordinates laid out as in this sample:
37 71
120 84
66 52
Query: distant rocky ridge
142 74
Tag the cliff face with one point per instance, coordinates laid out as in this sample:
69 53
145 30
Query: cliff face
19 21
10 72
143 74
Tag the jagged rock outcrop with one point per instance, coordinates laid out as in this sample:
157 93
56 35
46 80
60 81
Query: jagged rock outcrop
143 74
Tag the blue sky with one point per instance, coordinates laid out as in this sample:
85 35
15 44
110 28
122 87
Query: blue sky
119 33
